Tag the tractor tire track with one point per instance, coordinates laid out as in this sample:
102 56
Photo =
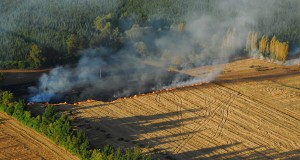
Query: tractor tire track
224 116
199 127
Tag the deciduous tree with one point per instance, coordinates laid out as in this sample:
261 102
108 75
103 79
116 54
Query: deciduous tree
73 44
254 41
263 45
103 24
36 57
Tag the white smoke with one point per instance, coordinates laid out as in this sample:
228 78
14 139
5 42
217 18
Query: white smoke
208 39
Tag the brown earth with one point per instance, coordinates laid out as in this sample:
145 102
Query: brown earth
16 77
20 142
251 111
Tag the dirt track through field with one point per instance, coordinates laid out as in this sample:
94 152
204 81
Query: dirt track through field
239 116
20 142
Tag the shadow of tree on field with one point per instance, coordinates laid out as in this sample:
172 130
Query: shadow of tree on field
144 131
249 153
153 132
249 77
130 131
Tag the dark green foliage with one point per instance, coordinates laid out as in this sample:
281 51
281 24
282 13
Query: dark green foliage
167 10
61 28
47 24
57 127
28 120
9 110
5 98
49 114
19 110
109 153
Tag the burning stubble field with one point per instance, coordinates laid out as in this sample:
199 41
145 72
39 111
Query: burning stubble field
18 81
251 112
20 142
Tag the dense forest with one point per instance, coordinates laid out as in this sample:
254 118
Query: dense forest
35 34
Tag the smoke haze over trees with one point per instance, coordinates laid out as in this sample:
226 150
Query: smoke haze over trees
119 34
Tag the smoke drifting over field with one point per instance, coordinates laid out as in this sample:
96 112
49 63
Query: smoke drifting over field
295 53
209 38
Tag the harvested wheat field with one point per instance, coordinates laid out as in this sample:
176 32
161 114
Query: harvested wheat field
252 111
20 142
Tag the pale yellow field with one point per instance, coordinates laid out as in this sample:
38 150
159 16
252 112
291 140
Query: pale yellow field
247 113
18 142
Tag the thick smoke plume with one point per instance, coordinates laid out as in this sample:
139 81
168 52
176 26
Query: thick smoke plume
208 38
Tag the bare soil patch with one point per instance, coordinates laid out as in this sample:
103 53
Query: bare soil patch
19 77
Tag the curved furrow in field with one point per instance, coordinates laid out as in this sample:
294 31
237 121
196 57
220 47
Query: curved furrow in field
224 116
272 108
239 94
198 128
267 114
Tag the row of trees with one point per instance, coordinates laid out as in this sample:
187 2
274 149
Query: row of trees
57 127
34 60
278 50
274 49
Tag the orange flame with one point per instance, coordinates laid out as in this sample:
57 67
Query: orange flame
63 103
90 100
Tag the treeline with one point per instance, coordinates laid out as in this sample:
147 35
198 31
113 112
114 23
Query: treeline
57 127
274 49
